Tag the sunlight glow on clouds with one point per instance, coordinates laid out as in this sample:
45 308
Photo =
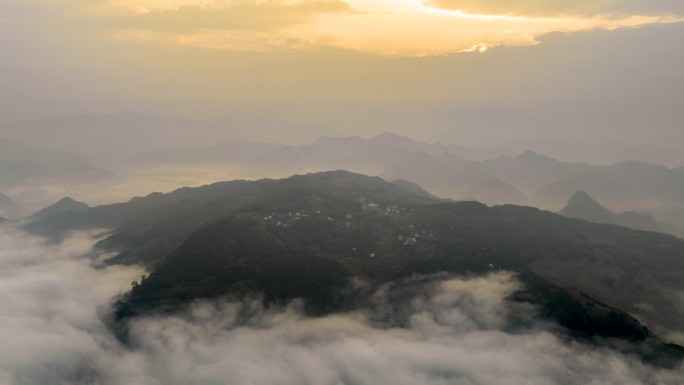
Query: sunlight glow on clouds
390 28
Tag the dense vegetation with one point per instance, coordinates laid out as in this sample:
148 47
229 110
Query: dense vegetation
305 236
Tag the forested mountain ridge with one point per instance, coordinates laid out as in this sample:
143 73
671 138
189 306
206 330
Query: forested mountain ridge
309 235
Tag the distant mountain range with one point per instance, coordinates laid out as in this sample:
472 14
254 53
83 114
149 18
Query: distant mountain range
452 171
492 176
19 162
25 168
22 165
489 176
600 152
111 138
308 235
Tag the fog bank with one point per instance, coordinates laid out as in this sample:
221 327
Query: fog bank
455 330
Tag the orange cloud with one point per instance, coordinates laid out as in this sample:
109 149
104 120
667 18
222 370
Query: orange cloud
382 27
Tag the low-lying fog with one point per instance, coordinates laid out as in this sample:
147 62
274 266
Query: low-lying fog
459 331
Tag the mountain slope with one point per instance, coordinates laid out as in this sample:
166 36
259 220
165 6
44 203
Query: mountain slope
312 235
346 218
298 242
148 228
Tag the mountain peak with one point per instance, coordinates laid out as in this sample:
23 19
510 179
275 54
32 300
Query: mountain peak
68 201
581 196
64 205
390 137
5 200
583 206
530 155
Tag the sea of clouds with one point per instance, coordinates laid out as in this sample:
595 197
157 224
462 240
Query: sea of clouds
454 330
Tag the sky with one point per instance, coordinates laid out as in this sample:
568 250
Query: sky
474 72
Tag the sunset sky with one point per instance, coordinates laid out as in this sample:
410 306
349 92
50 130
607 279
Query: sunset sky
441 69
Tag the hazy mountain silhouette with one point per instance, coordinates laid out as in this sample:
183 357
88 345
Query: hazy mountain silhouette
582 206
379 152
438 149
453 171
440 168
495 191
628 184
5 200
450 171
7 206
600 152
19 163
65 205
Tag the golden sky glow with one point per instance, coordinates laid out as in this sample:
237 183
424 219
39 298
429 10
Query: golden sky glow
383 27
292 70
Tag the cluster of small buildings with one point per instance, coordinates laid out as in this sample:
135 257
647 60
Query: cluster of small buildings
288 219
293 217
413 236
387 210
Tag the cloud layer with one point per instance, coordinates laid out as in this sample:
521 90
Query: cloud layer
399 28
50 299
555 8
453 331
405 28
